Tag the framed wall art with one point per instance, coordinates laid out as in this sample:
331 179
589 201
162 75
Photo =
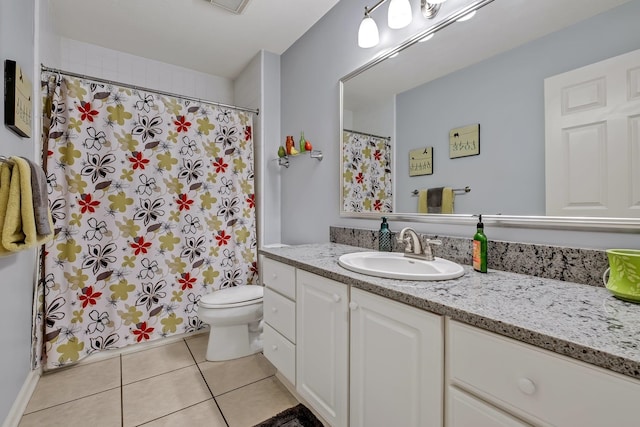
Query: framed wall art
421 161
18 105
464 141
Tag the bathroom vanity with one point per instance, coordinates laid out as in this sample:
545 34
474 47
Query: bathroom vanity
496 349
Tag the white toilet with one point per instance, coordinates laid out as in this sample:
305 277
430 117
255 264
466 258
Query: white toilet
234 316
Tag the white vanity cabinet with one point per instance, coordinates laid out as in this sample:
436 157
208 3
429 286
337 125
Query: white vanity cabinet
537 386
396 364
279 307
322 341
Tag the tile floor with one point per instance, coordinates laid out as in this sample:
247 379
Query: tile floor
171 385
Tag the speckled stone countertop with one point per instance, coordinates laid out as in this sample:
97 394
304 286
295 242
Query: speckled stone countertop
580 321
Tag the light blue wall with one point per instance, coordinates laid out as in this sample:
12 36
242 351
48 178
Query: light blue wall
505 94
311 69
16 271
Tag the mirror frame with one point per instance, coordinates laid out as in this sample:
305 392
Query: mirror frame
625 225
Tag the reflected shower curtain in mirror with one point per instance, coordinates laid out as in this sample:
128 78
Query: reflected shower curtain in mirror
366 180
153 206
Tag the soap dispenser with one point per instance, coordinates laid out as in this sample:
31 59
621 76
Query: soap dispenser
480 248
384 236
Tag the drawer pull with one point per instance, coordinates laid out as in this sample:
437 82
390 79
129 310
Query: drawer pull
353 305
274 347
336 297
526 386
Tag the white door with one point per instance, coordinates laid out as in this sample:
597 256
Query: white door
322 334
592 141
396 364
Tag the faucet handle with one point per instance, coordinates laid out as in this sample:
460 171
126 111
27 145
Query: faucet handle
406 242
428 241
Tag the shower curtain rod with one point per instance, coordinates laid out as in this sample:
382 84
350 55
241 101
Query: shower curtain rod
256 111
388 138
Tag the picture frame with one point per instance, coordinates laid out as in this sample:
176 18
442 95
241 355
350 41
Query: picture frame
464 141
18 104
421 161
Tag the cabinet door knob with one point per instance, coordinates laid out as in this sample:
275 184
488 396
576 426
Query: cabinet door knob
336 297
274 347
526 386
274 309
353 305
274 276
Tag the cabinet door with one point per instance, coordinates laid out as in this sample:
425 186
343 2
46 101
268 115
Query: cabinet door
396 364
466 411
322 345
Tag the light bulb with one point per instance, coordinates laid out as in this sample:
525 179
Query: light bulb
399 14
467 16
368 35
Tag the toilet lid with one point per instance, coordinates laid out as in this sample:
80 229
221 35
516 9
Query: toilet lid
236 296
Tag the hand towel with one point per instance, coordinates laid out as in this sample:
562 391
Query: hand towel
436 200
19 228
41 211
5 183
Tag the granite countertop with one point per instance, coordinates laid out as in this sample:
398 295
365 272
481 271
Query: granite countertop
580 321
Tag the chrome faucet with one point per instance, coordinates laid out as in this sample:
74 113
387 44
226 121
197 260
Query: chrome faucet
413 246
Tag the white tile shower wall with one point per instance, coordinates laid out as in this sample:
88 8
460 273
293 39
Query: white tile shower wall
96 61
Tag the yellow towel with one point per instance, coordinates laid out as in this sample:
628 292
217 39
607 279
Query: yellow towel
19 226
422 201
5 183
445 200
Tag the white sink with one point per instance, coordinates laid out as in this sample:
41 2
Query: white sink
394 265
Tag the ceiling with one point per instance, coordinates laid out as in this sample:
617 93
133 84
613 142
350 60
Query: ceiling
189 33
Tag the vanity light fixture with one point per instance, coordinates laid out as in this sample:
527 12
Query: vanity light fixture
399 16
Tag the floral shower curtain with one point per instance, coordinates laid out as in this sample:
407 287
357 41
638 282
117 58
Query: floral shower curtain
153 204
366 180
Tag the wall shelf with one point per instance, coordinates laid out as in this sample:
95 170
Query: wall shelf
314 154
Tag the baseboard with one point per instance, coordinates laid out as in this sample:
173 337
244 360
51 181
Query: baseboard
292 389
22 400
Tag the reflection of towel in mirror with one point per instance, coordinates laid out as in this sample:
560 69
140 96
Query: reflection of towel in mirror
40 198
436 200
19 226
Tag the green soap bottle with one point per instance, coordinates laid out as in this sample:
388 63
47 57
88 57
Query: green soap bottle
302 143
480 248
384 236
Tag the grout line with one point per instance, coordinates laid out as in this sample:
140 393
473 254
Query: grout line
207 384
174 412
248 384
121 395
70 401
159 375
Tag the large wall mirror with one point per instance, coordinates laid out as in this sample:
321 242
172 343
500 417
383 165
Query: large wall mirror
489 71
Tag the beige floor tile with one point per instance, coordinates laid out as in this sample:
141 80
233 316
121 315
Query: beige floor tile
205 413
161 395
231 374
98 410
198 346
249 405
155 361
75 382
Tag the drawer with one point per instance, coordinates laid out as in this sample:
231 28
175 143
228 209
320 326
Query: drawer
280 314
280 352
280 277
464 410
538 385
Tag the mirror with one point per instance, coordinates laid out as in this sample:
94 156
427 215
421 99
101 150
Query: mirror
488 71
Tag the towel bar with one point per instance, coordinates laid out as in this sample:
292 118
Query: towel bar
455 190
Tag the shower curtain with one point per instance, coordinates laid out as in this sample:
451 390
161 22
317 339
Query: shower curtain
153 204
366 181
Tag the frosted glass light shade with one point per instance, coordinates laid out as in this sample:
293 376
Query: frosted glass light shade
436 1
368 35
399 14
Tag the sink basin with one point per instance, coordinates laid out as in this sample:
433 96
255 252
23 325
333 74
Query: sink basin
394 265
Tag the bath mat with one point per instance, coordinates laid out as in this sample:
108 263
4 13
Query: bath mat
298 416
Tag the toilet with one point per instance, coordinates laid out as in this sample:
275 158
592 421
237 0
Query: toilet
234 316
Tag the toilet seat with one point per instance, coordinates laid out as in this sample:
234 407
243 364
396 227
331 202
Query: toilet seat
238 296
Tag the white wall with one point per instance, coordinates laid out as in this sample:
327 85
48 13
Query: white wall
17 271
311 69
97 61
